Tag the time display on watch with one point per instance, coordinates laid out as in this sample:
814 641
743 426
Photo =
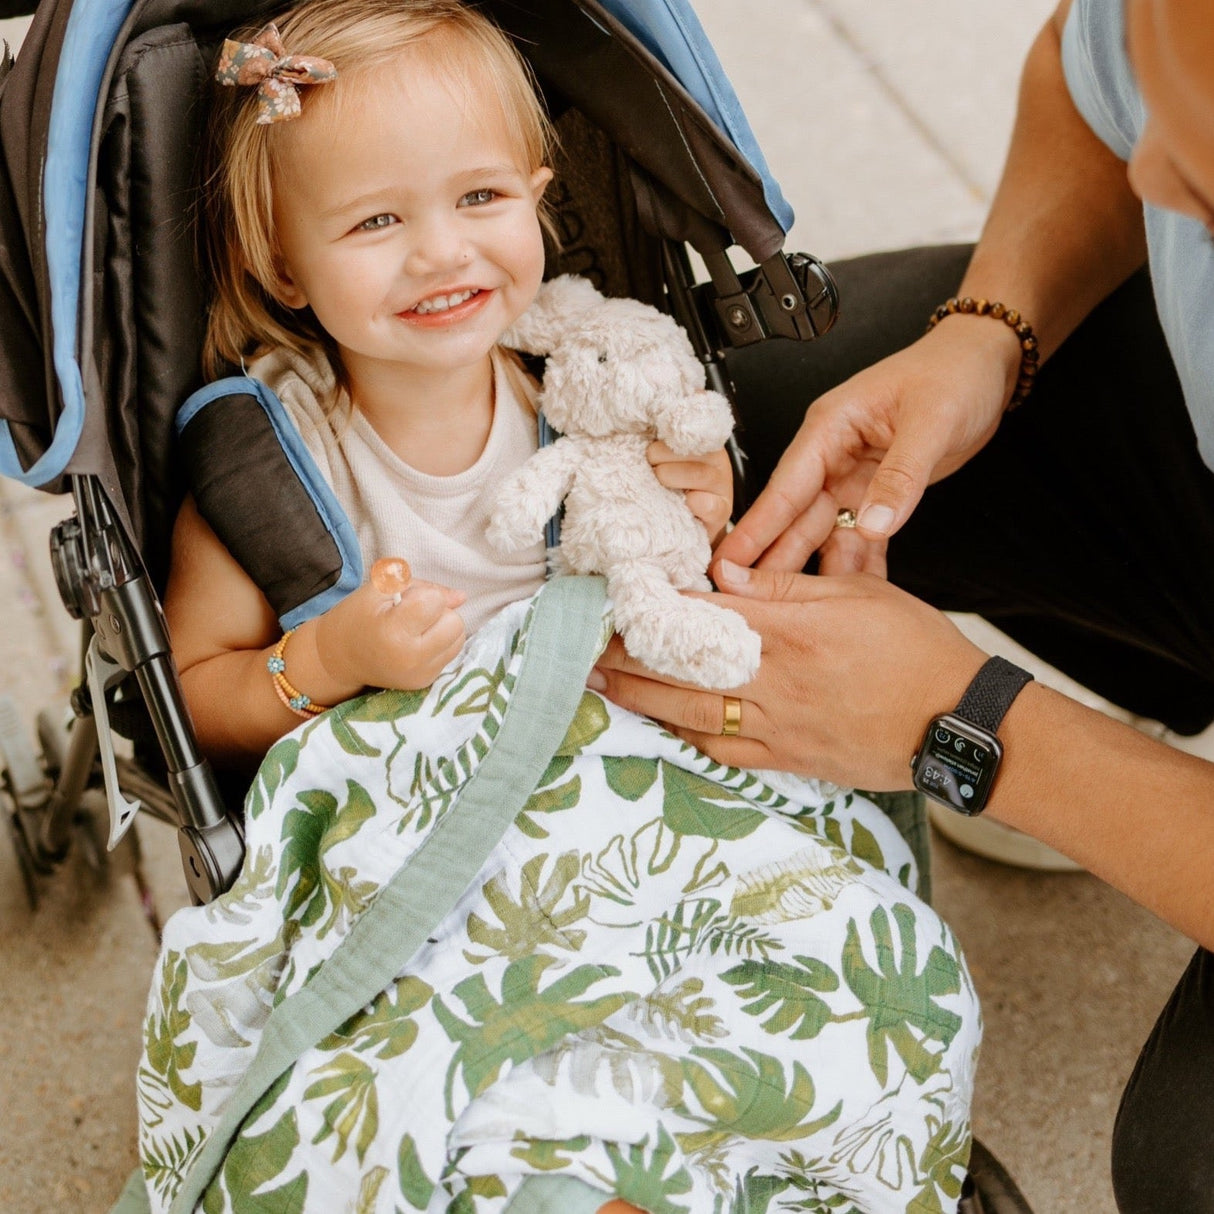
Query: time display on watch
956 763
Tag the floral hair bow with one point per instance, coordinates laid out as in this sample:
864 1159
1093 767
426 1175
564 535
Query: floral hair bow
277 75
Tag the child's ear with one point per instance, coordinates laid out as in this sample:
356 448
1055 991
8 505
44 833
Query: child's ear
285 289
539 182
276 280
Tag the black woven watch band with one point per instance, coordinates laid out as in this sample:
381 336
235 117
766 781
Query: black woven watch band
991 693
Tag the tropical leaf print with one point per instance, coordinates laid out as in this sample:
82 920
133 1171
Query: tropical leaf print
648 1176
353 1108
805 1175
603 1055
589 724
368 1190
386 1029
276 767
682 1013
549 798
415 1186
794 886
166 1160
695 926
250 889
254 1161
694 805
381 707
756 1100
306 884
539 916
630 778
755 1191
477 688
789 992
474 1187
667 977
524 1022
168 1050
898 997
945 1154
550 1155
628 863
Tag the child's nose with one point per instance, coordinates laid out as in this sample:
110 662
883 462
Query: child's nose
437 245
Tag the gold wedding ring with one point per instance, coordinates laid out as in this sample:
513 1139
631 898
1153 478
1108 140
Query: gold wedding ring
845 519
731 721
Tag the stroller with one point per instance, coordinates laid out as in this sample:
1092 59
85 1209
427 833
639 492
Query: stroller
99 289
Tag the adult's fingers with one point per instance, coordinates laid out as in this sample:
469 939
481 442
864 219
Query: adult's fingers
846 550
690 711
793 488
772 585
803 537
901 478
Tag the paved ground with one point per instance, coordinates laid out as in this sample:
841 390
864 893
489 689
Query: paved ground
886 123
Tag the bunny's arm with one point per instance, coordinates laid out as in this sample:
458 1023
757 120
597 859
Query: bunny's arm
695 424
529 497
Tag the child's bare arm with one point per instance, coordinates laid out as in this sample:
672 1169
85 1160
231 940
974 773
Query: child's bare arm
223 632
705 480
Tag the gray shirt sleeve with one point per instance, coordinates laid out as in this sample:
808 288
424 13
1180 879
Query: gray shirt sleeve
1098 73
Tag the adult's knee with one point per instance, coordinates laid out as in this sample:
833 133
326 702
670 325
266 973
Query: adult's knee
1163 1143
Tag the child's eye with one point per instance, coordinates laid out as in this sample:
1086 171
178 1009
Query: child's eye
376 222
477 198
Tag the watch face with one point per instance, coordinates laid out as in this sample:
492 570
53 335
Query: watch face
956 764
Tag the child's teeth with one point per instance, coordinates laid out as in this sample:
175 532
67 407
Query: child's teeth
440 303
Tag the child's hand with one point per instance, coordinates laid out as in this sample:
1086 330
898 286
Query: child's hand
705 480
392 631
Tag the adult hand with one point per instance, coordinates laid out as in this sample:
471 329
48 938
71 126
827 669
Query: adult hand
853 669
874 444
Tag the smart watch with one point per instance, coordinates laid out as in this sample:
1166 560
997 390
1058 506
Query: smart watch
957 760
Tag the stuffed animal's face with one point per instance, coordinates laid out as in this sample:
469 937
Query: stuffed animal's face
618 372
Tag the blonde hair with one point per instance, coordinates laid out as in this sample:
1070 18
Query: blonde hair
238 246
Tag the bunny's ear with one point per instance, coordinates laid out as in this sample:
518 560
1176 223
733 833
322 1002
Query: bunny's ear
553 313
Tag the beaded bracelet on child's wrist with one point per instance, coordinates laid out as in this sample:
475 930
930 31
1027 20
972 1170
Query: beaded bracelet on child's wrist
1029 354
299 703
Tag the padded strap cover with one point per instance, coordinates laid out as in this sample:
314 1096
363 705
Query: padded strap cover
260 491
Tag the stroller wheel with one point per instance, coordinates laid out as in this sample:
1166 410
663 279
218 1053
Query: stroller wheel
25 859
988 1188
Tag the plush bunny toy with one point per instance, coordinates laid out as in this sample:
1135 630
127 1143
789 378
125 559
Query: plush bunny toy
618 375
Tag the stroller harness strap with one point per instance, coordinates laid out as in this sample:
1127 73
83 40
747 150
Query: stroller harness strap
562 643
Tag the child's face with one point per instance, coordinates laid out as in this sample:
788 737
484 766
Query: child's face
407 220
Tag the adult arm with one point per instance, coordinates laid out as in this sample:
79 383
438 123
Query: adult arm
829 703
1063 231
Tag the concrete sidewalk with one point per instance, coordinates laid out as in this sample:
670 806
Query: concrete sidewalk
886 124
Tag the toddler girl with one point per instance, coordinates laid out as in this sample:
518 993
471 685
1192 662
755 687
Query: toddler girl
705 991
366 265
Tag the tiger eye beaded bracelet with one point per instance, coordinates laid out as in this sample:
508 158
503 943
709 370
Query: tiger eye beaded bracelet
1029 354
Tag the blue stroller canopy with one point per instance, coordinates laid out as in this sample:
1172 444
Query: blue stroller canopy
672 31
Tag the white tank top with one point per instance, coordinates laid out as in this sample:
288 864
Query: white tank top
437 523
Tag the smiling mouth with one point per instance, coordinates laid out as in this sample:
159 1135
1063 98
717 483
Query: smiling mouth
443 303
